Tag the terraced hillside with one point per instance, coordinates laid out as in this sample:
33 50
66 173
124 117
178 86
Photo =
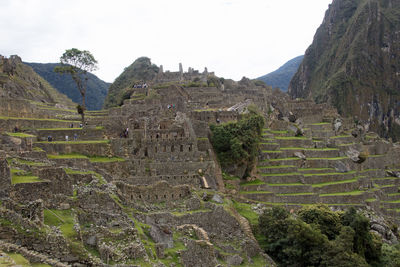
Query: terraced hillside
295 171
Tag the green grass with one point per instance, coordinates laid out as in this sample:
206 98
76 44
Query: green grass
282 159
393 194
105 159
280 174
278 132
290 184
296 194
351 193
276 167
75 142
24 179
61 218
35 119
335 182
21 261
67 156
246 211
315 169
309 149
59 129
228 177
328 173
334 158
27 162
16 171
271 151
98 176
392 202
255 182
22 135
371 200
340 136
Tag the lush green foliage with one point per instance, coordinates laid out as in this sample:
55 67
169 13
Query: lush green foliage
317 236
237 142
282 76
96 88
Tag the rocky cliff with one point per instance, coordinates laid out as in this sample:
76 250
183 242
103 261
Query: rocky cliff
353 63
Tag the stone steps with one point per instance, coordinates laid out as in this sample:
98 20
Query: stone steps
347 186
281 161
342 198
324 162
322 134
320 126
342 139
58 134
90 147
316 170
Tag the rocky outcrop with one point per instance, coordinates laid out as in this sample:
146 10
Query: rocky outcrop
353 63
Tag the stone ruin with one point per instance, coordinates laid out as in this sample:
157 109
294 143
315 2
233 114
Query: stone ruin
142 180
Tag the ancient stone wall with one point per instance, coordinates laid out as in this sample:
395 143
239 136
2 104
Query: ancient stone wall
5 176
159 192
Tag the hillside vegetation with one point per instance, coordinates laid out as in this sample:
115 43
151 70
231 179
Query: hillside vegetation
96 88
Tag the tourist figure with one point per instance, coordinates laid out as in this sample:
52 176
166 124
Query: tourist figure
80 125
75 137
66 138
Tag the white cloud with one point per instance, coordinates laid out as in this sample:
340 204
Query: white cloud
233 38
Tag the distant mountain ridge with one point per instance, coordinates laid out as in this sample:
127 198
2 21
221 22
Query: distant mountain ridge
281 77
96 88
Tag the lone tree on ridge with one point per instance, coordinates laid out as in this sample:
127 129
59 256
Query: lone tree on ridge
78 63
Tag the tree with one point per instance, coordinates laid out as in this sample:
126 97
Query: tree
78 64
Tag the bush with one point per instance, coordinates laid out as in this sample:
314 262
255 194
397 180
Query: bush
237 142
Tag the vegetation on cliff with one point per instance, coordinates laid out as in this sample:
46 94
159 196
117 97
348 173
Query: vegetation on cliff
353 63
140 71
317 236
96 88
282 76
236 143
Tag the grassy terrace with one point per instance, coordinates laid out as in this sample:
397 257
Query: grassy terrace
341 136
315 169
281 159
335 158
75 142
66 129
296 194
26 162
280 174
35 119
90 158
61 218
309 149
292 184
255 182
22 135
351 193
24 179
275 167
329 173
336 182
97 175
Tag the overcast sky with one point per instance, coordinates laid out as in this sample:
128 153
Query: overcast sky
234 38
